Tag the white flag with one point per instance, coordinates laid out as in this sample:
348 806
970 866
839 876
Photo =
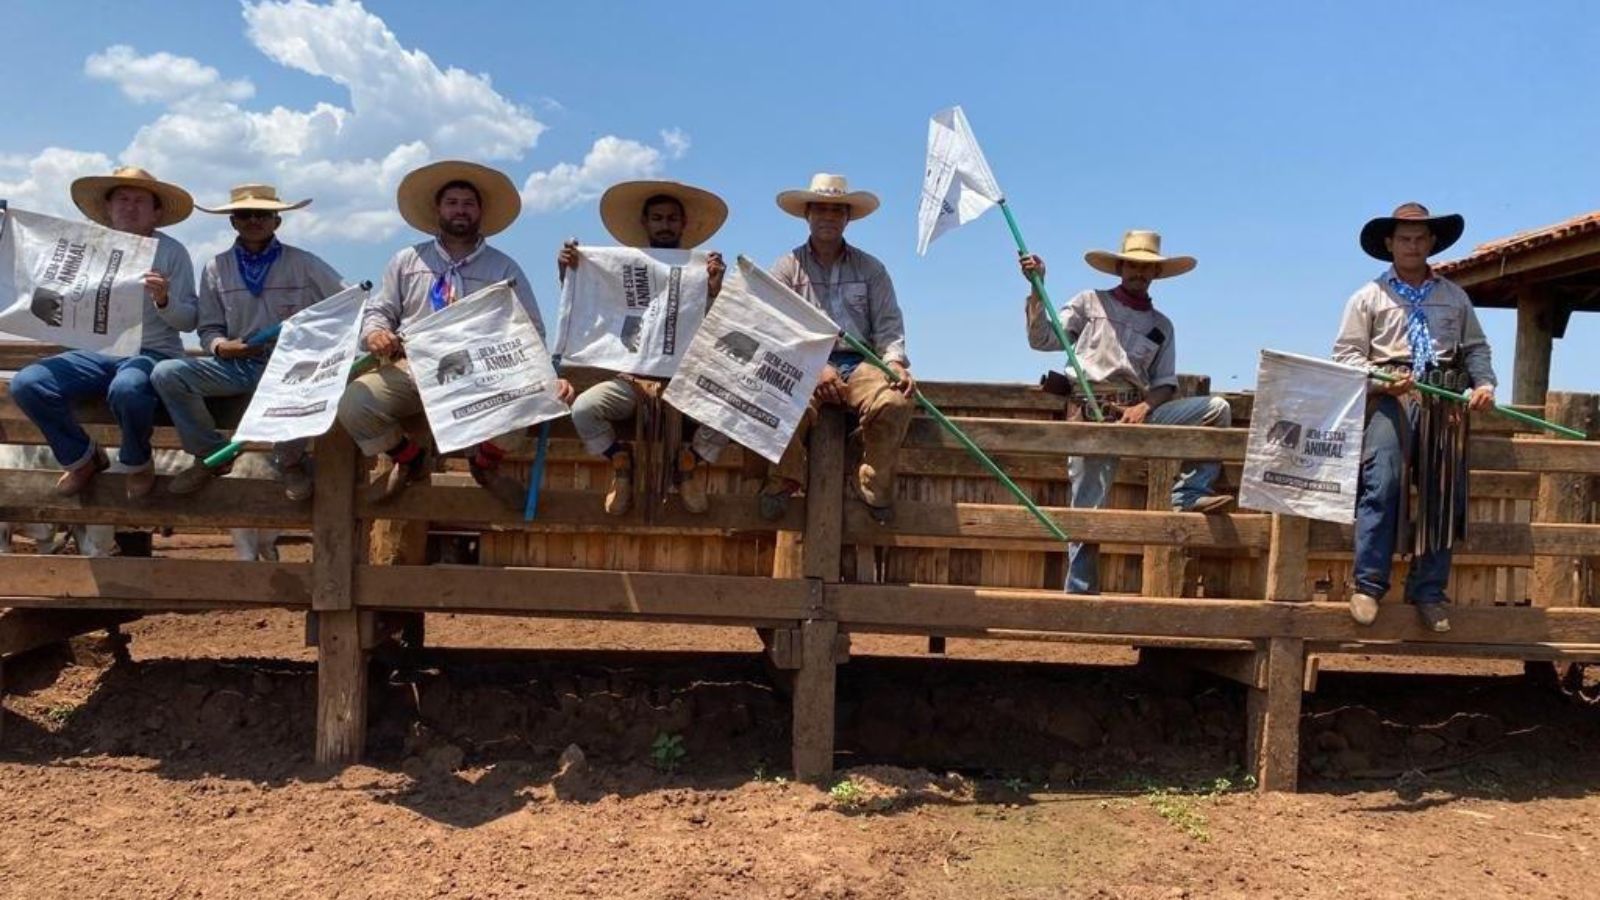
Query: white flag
751 368
73 283
631 310
1304 456
481 369
957 186
298 395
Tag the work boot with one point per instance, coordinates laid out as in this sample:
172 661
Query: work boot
484 464
692 481
196 477
74 480
141 481
773 501
619 499
1363 608
1209 504
400 476
298 484
1435 615
876 492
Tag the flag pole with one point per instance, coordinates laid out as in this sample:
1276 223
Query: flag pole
1502 409
1055 318
530 507
961 436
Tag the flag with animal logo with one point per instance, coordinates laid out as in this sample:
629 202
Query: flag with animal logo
631 310
751 368
1306 427
73 283
298 394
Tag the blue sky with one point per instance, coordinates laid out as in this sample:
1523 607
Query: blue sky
1257 137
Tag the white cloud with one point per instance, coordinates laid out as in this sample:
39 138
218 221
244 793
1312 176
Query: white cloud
162 77
41 183
610 160
676 142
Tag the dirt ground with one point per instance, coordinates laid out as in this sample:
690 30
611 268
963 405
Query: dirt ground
582 759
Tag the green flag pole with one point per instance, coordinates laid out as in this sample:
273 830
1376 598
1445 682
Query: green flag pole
1500 408
961 436
1055 318
230 451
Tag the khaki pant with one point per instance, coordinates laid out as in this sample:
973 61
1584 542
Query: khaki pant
885 414
375 406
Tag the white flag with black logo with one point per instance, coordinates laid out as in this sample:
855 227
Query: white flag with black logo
957 185
298 395
73 283
631 310
481 369
751 368
1306 427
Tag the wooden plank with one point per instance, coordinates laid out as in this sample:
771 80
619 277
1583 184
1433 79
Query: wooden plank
1286 558
1273 716
29 496
1060 439
971 523
341 687
1533 650
821 546
1489 538
814 700
455 499
333 525
22 630
1163 564
998 397
1562 581
753 599
154 582
1479 273
936 609
1534 455
1535 339
21 431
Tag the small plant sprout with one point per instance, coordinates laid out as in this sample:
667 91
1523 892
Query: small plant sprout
667 752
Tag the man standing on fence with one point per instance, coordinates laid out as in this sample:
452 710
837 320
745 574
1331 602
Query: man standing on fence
660 215
853 288
131 200
245 291
1128 351
460 204
1422 328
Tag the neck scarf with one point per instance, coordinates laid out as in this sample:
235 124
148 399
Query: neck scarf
253 267
1142 304
449 287
1423 354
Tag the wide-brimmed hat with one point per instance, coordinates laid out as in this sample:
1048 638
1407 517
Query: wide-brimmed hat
1446 229
90 192
253 196
1139 247
826 188
419 189
622 209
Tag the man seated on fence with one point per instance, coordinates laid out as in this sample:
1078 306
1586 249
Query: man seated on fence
853 288
661 215
1128 351
245 292
134 201
460 204
1422 328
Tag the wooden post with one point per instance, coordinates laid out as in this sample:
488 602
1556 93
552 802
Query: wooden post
341 660
1535 337
822 545
814 700
822 550
1286 558
393 543
1162 574
1274 716
1563 580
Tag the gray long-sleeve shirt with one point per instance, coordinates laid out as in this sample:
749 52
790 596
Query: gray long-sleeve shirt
402 298
164 325
1119 347
1373 330
228 311
855 292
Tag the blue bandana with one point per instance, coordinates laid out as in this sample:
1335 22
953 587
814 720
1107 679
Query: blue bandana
253 267
448 285
1423 354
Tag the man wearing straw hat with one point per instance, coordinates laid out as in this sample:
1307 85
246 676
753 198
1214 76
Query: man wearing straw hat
853 288
660 215
244 291
460 204
131 200
1421 328
1128 351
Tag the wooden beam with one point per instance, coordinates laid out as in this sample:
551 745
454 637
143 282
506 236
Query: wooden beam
1273 716
813 711
1563 580
1568 254
1489 538
341 687
455 499
1162 565
1286 559
1534 455
821 544
1534 650
974 522
1061 439
30 496
333 525
22 630
1535 338
750 599
151 583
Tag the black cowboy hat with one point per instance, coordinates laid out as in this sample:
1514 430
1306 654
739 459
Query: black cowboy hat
1446 229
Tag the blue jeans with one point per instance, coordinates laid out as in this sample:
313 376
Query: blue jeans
46 391
1091 478
184 385
1378 499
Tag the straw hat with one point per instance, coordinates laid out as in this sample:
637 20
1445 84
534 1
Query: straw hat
622 206
1446 229
420 209
1139 247
253 196
90 193
827 188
